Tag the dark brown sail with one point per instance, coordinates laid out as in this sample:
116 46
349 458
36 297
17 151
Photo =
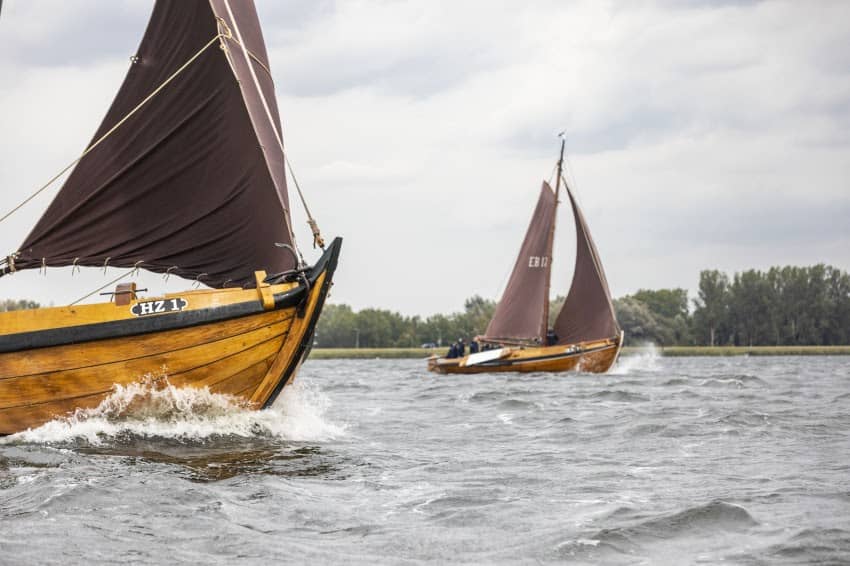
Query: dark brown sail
193 182
519 314
588 313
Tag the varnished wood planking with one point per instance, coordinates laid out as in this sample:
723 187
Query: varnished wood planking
296 332
243 373
225 375
212 374
71 383
248 378
200 376
74 356
21 418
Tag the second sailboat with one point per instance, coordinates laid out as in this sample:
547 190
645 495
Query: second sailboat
586 335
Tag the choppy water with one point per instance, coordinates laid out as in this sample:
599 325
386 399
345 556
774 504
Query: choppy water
666 461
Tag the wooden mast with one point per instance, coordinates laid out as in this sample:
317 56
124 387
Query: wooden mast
544 324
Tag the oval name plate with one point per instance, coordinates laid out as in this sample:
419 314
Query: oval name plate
162 306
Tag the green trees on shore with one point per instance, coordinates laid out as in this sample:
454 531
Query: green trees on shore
13 305
778 307
341 327
660 317
783 306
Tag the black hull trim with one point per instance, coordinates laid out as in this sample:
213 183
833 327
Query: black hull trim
132 327
331 258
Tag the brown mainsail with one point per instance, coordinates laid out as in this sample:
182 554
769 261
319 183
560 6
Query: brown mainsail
588 313
194 182
586 335
185 176
524 303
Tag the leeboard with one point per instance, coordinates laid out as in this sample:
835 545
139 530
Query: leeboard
488 356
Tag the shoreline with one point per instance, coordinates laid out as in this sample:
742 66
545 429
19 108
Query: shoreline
669 351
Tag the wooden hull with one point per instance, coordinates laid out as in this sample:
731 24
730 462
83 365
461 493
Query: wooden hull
591 357
244 343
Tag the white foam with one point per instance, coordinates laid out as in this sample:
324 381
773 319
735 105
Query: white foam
644 361
155 408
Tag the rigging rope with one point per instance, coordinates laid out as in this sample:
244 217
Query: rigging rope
317 235
217 37
314 227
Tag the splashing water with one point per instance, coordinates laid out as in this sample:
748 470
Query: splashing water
644 361
149 409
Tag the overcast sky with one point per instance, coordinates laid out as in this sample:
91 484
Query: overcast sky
699 134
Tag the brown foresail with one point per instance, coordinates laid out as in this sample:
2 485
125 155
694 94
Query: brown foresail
588 313
193 182
519 313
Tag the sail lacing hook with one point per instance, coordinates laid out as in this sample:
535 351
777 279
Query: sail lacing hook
74 267
106 264
167 273
135 270
43 268
217 37
198 279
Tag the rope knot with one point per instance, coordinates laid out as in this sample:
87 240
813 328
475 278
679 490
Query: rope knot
224 30
318 241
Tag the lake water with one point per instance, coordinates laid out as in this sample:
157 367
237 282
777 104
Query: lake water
664 461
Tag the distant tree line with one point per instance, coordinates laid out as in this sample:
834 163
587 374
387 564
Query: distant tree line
13 305
341 327
781 306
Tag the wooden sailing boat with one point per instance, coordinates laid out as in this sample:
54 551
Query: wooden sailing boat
586 335
185 177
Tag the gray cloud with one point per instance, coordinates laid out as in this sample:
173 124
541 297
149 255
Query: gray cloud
65 33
